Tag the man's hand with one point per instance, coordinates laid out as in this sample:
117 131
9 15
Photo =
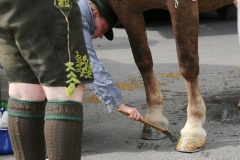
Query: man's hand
133 112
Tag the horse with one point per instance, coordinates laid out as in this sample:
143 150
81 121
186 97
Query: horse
185 21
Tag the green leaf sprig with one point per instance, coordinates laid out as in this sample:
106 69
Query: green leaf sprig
72 79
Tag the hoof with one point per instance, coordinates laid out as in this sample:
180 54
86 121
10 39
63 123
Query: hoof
150 133
190 144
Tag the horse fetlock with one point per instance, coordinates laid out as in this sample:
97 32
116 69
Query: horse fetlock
155 115
159 120
193 130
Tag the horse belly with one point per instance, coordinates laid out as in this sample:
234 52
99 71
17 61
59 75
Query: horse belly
204 5
209 5
145 4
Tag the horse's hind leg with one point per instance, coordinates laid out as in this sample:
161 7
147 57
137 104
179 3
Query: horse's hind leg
185 25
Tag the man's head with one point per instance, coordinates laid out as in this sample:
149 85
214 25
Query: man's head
104 19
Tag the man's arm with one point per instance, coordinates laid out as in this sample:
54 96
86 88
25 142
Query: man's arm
103 85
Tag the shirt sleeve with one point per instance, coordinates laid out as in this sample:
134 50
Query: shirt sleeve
103 85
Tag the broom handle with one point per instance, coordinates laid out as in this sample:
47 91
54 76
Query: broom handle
145 122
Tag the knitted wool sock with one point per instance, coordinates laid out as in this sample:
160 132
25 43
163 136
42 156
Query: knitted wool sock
26 129
63 130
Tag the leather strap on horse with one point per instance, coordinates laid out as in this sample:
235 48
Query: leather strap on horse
177 4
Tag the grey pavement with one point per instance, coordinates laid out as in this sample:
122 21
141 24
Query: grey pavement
112 136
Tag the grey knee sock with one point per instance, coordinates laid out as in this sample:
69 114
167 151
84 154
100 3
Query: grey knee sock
26 129
63 130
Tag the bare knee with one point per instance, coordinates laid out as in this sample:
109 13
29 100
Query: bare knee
26 91
58 93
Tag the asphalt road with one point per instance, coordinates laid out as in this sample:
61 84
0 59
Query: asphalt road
112 136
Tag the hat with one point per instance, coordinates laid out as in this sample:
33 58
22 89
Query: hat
107 12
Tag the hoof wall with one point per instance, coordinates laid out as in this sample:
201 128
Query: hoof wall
149 133
190 145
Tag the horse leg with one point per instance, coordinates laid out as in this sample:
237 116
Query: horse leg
133 22
185 23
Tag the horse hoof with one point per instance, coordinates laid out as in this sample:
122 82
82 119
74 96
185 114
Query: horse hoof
190 144
149 133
